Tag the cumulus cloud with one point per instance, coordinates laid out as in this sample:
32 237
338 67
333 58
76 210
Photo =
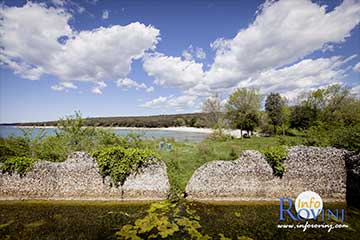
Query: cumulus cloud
72 6
173 71
356 68
270 53
272 40
190 53
63 86
303 76
171 102
105 14
97 89
127 83
37 39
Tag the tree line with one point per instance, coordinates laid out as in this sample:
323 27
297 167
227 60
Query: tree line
320 115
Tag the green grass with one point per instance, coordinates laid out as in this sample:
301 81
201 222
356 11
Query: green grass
186 157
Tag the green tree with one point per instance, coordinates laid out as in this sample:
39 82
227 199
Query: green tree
77 136
214 112
302 117
275 108
242 108
331 106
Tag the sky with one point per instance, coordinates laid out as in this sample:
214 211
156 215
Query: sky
131 58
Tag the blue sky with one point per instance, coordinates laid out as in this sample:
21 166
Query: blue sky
121 58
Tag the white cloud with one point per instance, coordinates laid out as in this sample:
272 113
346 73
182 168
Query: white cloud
97 89
127 83
59 2
284 31
71 6
26 30
200 54
173 71
303 76
105 14
150 89
356 90
29 41
190 53
63 86
171 102
356 68
156 103
187 55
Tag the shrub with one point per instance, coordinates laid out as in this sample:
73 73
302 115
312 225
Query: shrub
347 138
52 148
13 146
219 135
19 164
275 156
317 136
119 163
106 138
77 136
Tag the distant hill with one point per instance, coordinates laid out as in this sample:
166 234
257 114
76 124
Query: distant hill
188 119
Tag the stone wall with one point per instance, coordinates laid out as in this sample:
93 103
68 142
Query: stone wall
78 178
322 170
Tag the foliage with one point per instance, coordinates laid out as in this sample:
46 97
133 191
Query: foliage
302 117
276 156
191 119
219 135
25 146
163 221
242 108
331 106
347 138
118 162
20 165
274 106
264 120
180 122
53 149
13 146
341 137
215 115
317 136
77 136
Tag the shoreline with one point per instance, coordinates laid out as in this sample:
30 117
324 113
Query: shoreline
233 132
176 129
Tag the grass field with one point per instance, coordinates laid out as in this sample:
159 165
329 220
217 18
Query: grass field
186 157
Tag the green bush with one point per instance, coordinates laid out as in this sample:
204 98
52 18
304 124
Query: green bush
276 156
219 135
20 165
13 146
119 163
347 138
317 136
52 148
